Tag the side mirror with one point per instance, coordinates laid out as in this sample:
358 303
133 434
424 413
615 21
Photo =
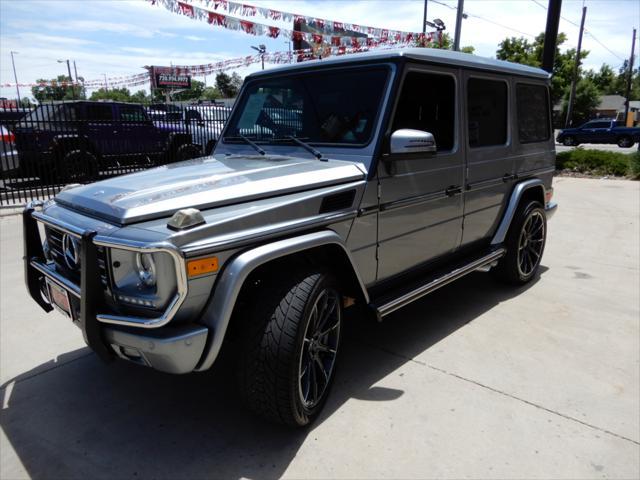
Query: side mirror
407 140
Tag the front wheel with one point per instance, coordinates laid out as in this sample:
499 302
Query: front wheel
525 245
79 166
569 141
290 349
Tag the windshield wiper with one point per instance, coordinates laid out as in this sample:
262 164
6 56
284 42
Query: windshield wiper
248 142
308 148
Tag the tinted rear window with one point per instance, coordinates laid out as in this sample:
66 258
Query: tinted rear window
532 103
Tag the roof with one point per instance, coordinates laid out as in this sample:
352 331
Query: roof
431 55
611 102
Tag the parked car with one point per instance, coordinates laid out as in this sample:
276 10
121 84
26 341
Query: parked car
73 141
203 122
9 160
377 195
600 131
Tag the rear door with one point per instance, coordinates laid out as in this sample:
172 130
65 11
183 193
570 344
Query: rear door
100 128
490 163
421 202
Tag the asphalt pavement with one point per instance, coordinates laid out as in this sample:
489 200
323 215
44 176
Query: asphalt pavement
478 380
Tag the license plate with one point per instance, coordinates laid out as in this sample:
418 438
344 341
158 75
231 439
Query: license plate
60 299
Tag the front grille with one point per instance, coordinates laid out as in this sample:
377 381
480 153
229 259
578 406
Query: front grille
56 248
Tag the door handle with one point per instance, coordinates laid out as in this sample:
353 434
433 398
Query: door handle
453 190
507 176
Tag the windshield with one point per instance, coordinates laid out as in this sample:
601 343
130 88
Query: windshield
333 107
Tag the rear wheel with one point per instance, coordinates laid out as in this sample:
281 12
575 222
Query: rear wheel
625 142
290 349
525 245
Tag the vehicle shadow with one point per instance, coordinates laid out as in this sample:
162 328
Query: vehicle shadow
87 419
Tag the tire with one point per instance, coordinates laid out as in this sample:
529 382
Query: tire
625 142
283 355
188 151
525 244
569 141
79 166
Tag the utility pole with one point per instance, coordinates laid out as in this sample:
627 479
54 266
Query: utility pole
572 95
424 18
628 122
551 35
456 41
75 70
16 76
73 88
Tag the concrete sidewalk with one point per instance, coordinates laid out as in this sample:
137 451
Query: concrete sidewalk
478 380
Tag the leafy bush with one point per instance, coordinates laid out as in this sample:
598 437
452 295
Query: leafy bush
634 165
597 162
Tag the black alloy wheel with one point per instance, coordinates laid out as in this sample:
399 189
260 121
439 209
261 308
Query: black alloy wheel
531 243
319 348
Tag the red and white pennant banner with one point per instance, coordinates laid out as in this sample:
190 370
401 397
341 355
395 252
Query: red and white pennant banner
335 33
211 68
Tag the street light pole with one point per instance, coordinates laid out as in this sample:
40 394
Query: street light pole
572 93
15 76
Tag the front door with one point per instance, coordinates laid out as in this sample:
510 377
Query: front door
421 201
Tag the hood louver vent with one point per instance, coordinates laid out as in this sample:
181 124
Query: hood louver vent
337 201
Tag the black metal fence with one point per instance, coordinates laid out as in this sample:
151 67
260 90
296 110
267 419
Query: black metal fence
47 147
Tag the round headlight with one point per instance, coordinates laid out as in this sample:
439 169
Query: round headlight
146 269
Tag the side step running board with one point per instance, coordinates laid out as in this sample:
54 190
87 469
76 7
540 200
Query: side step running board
433 283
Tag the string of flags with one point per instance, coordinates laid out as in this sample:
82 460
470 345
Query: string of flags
208 68
321 31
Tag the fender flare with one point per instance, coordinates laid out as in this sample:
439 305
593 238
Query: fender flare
217 312
512 206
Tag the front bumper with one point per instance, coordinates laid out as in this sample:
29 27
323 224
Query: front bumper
169 349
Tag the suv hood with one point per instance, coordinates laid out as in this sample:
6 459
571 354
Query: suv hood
203 183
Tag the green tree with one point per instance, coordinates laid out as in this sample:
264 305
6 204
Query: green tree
194 93
604 79
140 97
224 86
118 94
236 82
586 101
55 90
445 42
521 50
211 93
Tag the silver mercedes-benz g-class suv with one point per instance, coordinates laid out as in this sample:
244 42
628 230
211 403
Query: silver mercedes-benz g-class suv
362 182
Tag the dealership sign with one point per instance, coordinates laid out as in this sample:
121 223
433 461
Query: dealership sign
170 78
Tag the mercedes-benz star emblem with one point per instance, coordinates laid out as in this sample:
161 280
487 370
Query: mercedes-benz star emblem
71 248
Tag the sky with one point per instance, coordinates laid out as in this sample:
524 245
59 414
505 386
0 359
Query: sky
118 37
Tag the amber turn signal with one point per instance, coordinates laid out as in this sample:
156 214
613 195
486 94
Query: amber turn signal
202 266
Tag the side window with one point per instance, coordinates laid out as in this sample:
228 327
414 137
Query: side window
131 113
532 103
99 112
486 112
427 103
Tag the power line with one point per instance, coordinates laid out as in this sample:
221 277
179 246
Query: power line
586 30
451 7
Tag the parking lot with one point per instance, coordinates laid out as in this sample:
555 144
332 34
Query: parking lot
477 380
